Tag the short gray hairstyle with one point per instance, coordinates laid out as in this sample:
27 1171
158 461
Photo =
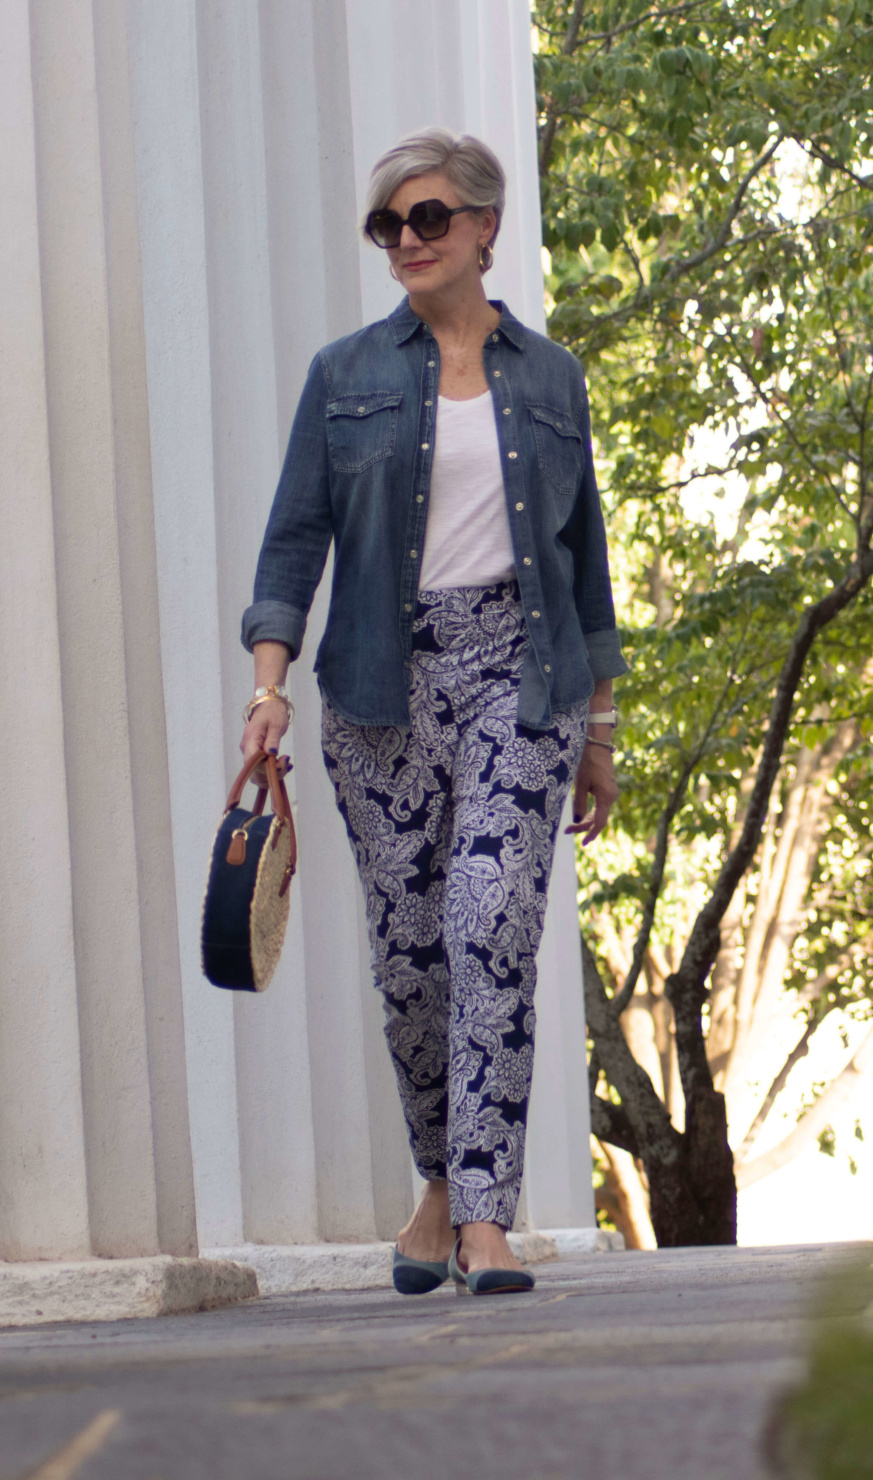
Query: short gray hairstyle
473 168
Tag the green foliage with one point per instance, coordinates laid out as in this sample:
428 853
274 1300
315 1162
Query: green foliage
708 206
824 1430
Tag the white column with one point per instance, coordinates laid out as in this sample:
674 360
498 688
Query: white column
122 1174
164 71
360 1153
43 1189
150 781
277 1153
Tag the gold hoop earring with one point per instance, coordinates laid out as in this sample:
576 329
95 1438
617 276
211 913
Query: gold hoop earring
486 258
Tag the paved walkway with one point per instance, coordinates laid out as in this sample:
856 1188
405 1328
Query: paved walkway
618 1367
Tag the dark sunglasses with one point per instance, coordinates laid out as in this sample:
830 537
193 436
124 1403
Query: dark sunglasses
429 219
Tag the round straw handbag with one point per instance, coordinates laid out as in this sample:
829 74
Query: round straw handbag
245 911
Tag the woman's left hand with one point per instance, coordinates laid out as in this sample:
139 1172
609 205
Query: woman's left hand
595 778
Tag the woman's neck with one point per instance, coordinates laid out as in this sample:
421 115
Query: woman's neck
459 317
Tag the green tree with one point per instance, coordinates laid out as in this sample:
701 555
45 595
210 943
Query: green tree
708 206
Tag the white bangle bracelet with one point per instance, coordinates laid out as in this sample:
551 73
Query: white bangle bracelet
607 717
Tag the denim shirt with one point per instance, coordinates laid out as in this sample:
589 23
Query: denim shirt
358 471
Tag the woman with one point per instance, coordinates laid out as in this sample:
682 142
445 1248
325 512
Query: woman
446 452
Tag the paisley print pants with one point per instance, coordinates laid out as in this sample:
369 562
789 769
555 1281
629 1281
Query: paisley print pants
453 824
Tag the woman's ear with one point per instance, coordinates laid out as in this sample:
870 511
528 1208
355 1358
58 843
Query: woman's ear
489 226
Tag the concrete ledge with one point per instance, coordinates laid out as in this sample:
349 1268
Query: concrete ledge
119 1289
570 1241
283 1269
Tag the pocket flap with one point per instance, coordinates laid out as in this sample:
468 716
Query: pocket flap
559 421
364 404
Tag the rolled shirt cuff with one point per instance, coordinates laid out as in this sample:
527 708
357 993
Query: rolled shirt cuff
273 621
605 655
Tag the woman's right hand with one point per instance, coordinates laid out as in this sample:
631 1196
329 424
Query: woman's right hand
264 731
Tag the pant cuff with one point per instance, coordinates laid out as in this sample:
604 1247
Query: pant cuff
478 1205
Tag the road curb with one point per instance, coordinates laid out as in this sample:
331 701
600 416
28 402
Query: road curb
34 1293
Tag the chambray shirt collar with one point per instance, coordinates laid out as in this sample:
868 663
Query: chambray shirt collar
404 323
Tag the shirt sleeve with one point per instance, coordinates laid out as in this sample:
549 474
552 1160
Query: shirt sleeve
585 536
299 528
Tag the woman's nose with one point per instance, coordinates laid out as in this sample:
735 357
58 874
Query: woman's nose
408 239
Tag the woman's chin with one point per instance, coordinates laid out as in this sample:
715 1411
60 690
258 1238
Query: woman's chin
426 277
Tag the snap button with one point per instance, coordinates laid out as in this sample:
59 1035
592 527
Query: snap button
430 364
494 337
425 446
419 498
428 403
512 454
362 408
519 507
559 425
527 560
534 614
497 374
506 411
407 607
548 667
414 554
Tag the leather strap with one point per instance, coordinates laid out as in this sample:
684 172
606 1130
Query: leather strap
278 794
279 798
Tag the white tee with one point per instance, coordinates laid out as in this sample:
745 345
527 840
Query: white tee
467 540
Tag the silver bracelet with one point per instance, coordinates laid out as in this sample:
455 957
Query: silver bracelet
590 740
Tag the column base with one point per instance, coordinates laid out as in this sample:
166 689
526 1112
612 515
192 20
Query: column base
35 1292
284 1269
570 1241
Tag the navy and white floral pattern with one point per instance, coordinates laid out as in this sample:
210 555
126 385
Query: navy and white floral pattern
453 824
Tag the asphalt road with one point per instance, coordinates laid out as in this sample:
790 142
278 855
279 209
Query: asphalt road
631 1366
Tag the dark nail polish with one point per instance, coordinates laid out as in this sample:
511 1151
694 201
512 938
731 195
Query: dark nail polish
273 750
577 816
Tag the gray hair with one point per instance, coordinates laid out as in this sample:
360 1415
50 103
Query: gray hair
473 168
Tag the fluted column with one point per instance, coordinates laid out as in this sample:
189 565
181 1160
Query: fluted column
97 1136
43 1190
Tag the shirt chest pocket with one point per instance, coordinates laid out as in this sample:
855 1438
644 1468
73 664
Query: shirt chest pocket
560 453
362 430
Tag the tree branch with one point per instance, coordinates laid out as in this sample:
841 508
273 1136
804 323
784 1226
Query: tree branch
569 46
720 239
865 181
656 878
815 1120
593 1071
644 1112
651 15
798 1052
609 1123
686 987
787 428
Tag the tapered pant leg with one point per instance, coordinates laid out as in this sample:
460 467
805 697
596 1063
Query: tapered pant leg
509 788
394 794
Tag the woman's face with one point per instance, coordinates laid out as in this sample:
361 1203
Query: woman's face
429 267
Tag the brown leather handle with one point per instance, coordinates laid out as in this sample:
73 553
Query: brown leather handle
278 794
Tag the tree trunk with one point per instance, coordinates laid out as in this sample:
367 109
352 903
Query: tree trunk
692 1191
631 1208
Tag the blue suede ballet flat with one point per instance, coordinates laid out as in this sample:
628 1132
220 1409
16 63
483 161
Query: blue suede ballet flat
489 1281
418 1276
